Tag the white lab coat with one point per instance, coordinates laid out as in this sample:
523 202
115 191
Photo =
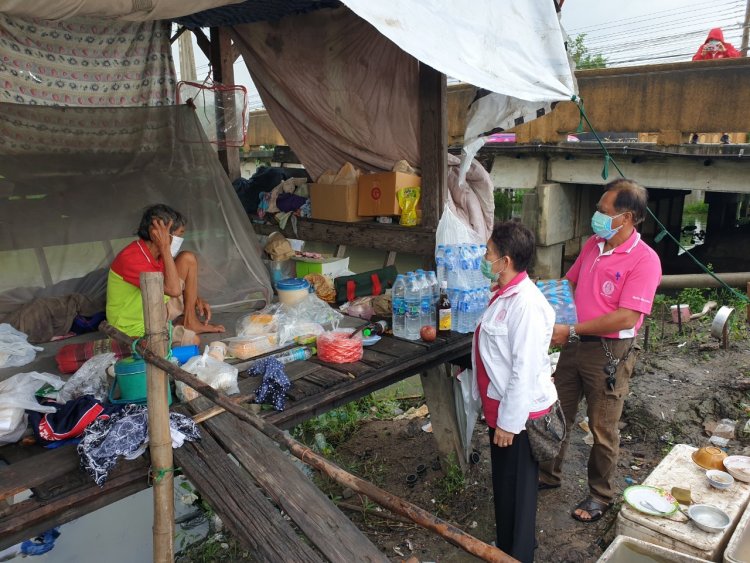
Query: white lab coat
513 343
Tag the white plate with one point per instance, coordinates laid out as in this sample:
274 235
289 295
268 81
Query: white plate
661 500
738 467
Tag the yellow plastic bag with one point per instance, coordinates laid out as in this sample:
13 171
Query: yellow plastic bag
407 201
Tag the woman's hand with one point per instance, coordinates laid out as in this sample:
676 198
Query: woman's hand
502 438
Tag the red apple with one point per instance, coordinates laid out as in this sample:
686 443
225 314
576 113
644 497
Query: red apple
428 333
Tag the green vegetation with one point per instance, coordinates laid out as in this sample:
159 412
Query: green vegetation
695 209
581 55
453 482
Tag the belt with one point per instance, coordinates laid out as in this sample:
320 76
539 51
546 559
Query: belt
590 338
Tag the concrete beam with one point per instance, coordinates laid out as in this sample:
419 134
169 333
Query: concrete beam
518 172
548 261
557 210
678 173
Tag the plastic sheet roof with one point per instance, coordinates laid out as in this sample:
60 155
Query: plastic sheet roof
252 11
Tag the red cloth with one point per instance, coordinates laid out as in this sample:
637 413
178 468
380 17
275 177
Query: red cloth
72 356
134 259
717 35
491 406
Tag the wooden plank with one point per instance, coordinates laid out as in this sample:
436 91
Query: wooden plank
355 368
413 240
398 347
437 384
243 508
390 258
340 251
33 516
301 389
378 378
433 142
324 524
50 465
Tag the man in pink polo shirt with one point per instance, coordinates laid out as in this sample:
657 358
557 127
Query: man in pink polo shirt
615 279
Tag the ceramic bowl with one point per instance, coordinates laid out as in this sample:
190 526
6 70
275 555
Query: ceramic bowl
719 479
709 457
708 517
738 467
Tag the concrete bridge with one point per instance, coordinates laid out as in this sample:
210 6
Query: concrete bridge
666 103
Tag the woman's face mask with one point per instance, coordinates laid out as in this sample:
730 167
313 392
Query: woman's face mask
174 247
486 267
601 224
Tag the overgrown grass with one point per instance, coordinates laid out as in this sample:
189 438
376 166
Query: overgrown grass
698 208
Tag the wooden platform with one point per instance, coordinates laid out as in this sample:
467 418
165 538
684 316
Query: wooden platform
63 493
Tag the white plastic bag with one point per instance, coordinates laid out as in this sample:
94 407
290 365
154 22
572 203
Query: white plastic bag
467 407
14 349
310 316
219 375
451 230
90 379
16 396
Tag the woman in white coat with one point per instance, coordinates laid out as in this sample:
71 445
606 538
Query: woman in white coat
513 379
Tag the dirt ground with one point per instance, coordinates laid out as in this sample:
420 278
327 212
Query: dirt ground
680 384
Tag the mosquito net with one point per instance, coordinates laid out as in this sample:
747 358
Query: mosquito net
74 183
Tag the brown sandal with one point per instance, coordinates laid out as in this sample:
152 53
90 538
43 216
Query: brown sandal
595 508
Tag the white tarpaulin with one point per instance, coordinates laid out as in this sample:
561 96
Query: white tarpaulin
514 50
133 10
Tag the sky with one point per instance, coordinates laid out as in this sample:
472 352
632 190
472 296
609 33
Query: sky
626 33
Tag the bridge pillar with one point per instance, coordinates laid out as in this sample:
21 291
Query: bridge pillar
722 211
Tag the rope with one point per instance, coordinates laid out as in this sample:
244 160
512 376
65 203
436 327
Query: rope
145 337
608 158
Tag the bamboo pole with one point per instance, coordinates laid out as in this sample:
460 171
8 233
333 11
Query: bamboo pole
160 441
385 499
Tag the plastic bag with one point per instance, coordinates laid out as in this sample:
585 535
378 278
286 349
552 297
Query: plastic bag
451 230
219 375
16 396
259 322
90 379
361 307
407 201
244 347
467 407
14 348
310 316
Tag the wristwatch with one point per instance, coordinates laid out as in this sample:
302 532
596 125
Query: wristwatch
572 334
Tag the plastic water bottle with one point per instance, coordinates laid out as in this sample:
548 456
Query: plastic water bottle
464 304
450 268
412 299
465 266
476 273
295 354
435 288
440 263
425 300
399 306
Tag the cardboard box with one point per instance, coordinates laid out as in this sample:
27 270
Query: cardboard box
377 192
334 203
327 266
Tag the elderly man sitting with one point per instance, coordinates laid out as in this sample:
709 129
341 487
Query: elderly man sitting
157 250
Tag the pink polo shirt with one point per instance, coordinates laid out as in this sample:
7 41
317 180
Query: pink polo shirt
624 277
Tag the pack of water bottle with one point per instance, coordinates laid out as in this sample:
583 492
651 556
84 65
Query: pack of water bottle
468 290
414 302
559 294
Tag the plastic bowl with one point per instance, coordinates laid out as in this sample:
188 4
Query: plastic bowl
708 517
719 479
738 466
709 457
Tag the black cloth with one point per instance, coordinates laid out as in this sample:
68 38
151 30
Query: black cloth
265 179
515 477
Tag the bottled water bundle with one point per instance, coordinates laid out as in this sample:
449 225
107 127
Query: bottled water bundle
459 266
559 294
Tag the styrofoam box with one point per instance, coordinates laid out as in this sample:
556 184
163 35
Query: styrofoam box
738 548
675 532
631 550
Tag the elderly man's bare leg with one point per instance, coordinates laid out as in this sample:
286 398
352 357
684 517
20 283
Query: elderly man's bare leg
195 308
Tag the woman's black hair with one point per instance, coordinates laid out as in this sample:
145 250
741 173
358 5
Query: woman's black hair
514 239
163 212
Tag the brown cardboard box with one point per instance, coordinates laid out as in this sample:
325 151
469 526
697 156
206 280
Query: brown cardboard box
334 203
377 192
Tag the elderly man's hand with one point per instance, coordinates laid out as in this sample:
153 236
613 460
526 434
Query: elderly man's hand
160 235
203 310
560 335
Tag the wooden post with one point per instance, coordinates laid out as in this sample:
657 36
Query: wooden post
437 383
748 304
433 143
222 65
160 441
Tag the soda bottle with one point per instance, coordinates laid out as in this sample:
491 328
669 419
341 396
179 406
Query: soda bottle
399 306
444 311
378 328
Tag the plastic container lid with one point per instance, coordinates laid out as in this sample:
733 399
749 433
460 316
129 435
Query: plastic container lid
290 284
130 366
370 340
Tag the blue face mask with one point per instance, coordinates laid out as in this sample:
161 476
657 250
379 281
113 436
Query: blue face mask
601 224
486 268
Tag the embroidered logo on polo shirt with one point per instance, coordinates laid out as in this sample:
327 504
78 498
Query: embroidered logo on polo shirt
608 288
